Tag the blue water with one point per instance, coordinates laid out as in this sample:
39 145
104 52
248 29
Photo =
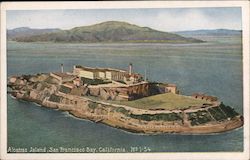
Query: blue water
211 68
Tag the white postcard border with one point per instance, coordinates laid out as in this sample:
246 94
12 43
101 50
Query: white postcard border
123 4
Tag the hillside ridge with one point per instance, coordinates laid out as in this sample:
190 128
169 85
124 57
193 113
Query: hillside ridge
109 31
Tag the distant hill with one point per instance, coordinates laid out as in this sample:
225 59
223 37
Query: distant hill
214 32
111 31
26 31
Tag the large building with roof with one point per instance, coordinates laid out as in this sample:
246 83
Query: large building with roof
107 74
109 83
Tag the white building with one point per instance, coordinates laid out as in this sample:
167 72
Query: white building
106 73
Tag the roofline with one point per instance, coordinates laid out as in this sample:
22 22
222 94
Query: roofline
100 69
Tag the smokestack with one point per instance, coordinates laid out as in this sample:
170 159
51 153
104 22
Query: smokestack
62 68
130 69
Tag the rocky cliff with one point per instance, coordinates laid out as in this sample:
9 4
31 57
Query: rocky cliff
45 90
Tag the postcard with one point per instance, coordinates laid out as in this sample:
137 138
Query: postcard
118 80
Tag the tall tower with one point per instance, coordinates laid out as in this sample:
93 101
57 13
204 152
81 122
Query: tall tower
130 69
62 68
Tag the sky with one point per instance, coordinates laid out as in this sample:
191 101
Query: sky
164 19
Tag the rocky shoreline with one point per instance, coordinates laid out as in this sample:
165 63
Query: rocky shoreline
44 90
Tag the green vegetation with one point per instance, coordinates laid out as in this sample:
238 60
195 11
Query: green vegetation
151 117
168 101
65 89
217 113
94 81
111 31
230 112
121 82
122 110
54 98
199 117
157 117
92 105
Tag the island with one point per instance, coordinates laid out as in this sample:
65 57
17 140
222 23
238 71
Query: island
126 100
105 32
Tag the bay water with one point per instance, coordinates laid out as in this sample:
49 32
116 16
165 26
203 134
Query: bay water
213 68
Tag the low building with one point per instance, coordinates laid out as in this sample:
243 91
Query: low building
107 74
86 72
62 77
166 88
204 97
171 88
69 85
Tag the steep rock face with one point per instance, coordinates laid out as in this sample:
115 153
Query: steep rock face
104 94
121 93
32 87
113 94
94 91
203 120
138 91
12 80
85 91
34 94
41 86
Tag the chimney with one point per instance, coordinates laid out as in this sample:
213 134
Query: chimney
62 68
130 69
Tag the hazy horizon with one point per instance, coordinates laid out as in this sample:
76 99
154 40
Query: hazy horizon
162 19
130 23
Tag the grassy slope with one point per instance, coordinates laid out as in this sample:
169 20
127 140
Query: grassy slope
167 101
111 31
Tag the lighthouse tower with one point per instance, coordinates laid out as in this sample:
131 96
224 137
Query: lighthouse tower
62 68
130 69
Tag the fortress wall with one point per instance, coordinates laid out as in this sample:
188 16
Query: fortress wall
121 93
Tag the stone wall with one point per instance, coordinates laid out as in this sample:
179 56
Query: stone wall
131 92
121 93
